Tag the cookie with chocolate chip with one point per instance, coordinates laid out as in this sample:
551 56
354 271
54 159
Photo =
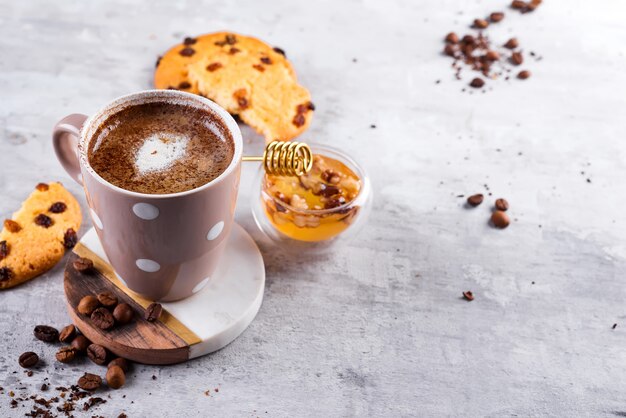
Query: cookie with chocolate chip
244 75
36 237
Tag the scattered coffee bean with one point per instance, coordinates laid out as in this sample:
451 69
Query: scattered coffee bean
477 83
44 387
28 359
123 313
517 58
83 265
42 187
66 354
614 326
88 304
67 334
80 343
153 312
475 200
120 362
518 4
102 318
70 239
46 333
12 226
452 38
523 75
511 43
58 207
502 204
492 56
97 354
89 382
480 23
107 299
468 295
496 17
500 219
449 50
43 220
115 377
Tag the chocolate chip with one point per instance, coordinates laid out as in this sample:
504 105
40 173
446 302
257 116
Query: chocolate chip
115 377
496 17
266 60
58 207
234 50
46 333
279 51
258 67
43 220
311 106
475 200
477 83
88 304
5 274
80 343
500 219
511 43
89 382
4 250
502 204
517 58
214 66
67 334
468 295
42 187
452 38
102 318
97 354
153 312
187 52
184 85
189 41
523 75
480 23
83 265
230 39
66 354
12 226
123 313
28 359
107 299
299 120
158 61
70 239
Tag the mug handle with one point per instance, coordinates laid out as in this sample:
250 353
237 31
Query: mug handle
65 137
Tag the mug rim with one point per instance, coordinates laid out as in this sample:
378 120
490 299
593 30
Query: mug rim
220 112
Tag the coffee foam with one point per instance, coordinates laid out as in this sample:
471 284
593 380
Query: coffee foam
160 151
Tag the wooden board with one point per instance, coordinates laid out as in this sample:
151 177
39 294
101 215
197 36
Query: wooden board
186 329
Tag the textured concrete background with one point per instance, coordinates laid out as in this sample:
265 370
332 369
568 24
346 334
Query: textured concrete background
378 328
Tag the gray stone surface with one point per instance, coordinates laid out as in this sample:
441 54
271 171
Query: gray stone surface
378 328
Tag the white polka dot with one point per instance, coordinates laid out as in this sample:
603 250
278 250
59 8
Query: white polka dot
95 218
146 211
120 279
200 286
215 231
149 266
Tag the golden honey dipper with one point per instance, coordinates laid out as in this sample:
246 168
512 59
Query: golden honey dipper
286 158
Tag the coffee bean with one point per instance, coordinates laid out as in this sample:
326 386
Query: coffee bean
88 304
518 4
89 382
492 56
468 295
153 312
46 333
452 38
480 23
97 354
449 50
475 200
57 207
70 239
107 299
500 219
523 75
66 354
115 377
67 334
511 43
80 343
120 362
496 17
468 39
517 58
102 318
477 83
83 265
28 359
502 204
123 313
